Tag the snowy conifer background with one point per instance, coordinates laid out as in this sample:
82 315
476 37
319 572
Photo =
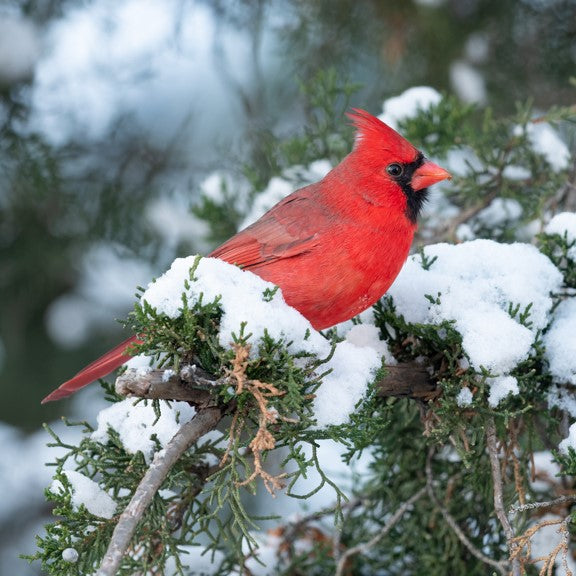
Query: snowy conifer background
132 111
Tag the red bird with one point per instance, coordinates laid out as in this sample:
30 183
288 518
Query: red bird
333 247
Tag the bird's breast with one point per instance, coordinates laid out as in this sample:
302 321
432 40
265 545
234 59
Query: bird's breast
345 273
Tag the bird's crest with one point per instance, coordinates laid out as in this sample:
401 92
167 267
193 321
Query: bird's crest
379 137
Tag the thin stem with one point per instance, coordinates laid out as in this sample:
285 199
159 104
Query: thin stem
366 546
492 444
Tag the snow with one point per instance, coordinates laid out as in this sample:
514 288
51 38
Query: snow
512 172
562 398
546 472
464 397
545 141
174 222
467 82
563 223
19 48
500 387
499 212
87 493
545 541
367 335
462 161
136 424
407 104
476 282
156 61
569 441
560 343
241 298
353 369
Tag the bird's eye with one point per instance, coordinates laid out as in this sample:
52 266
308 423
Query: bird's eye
395 170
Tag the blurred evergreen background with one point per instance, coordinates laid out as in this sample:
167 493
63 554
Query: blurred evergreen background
112 113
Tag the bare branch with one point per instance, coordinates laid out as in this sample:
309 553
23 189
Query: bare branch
366 546
536 505
192 384
205 420
409 379
497 484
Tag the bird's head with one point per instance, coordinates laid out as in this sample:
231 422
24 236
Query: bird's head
390 168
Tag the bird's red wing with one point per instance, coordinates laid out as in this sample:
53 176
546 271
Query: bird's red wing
291 229
98 369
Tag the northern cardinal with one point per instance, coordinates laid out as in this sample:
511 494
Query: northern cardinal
333 247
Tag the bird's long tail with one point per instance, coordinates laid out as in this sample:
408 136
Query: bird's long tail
98 369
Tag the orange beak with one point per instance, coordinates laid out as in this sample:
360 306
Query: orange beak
428 174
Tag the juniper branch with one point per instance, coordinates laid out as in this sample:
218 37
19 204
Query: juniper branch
536 505
205 420
192 384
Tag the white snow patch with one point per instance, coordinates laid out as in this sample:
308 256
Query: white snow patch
464 397
223 187
462 161
569 441
546 541
352 369
500 211
500 387
513 172
155 61
563 398
368 335
408 104
560 342
546 141
477 47
134 424
467 82
563 223
546 471
476 282
172 219
87 493
278 188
